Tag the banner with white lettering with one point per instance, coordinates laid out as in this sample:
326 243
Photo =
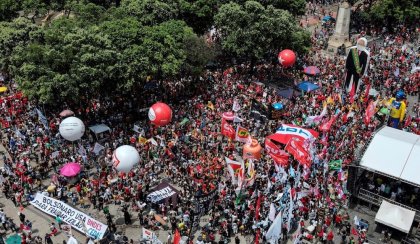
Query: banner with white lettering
202 204
78 220
164 193
287 132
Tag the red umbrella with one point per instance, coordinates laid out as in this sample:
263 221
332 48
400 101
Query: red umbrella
311 70
66 113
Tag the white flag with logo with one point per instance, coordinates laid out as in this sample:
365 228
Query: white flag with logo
235 169
272 213
98 148
236 107
274 232
151 236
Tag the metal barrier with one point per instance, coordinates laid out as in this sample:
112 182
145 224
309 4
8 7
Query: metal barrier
376 199
408 240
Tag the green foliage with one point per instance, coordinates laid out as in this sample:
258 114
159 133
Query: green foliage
199 14
8 9
396 11
88 13
35 7
163 46
12 35
295 7
198 54
64 63
251 30
150 12
99 46
122 32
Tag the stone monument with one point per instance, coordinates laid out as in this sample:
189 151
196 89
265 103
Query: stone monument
342 27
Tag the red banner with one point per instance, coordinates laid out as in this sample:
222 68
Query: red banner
287 131
296 148
327 125
228 130
366 96
257 217
177 237
279 156
370 111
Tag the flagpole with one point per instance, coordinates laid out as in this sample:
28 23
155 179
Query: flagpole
192 223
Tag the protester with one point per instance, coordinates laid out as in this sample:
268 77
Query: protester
191 155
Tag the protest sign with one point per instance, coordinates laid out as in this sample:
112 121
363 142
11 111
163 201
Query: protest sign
150 236
202 205
163 193
78 220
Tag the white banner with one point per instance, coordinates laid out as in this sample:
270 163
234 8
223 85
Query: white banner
150 236
78 220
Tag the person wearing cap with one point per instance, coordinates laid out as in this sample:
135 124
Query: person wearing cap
356 64
398 109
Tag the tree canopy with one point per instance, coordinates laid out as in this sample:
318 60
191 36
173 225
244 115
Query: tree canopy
98 46
251 30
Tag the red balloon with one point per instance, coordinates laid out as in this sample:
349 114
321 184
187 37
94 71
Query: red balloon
287 58
160 114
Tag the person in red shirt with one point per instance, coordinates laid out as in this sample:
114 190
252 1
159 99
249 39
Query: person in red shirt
338 220
330 237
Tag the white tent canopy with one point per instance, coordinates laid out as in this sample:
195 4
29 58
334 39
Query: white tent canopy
395 216
395 153
100 128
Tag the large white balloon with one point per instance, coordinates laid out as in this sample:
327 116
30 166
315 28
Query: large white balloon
124 158
72 129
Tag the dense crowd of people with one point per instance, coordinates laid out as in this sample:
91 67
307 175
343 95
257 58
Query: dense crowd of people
190 152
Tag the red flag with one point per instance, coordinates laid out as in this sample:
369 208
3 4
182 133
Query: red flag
352 93
407 121
287 131
282 161
370 111
257 217
296 148
228 130
354 232
327 125
279 156
177 237
366 96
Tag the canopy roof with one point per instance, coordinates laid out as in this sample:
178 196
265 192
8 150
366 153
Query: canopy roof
395 153
395 216
100 128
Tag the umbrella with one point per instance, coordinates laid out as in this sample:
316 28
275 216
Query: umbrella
286 93
66 113
328 18
70 169
307 86
3 89
311 70
14 239
277 106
